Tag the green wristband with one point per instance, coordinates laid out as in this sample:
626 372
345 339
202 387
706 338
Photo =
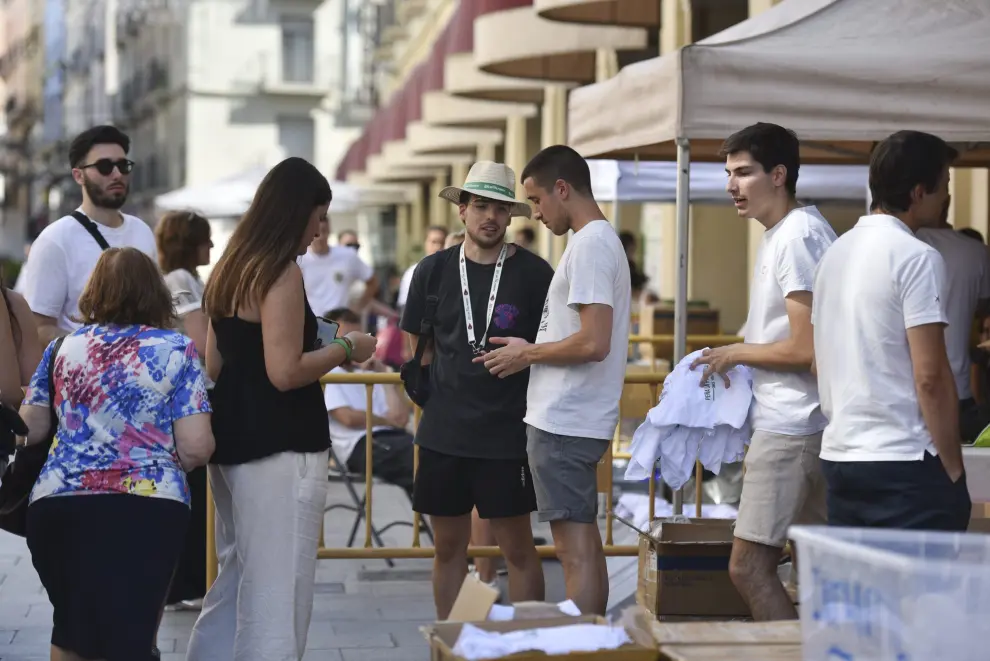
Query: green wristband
345 344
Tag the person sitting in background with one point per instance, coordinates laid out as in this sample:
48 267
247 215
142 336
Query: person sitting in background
392 459
132 418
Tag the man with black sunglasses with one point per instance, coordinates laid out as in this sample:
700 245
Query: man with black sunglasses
65 253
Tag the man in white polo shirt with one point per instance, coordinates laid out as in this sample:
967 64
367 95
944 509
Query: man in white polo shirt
65 253
891 453
783 483
967 294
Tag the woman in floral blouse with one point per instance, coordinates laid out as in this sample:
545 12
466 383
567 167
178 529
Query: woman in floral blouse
110 508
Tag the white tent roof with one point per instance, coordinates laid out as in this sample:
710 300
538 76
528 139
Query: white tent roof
231 197
653 181
841 73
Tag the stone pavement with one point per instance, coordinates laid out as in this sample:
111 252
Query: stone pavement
363 611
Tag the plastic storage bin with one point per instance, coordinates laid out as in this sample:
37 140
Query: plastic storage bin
893 595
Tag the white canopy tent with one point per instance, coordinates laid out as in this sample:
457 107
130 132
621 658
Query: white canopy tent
230 197
656 181
843 74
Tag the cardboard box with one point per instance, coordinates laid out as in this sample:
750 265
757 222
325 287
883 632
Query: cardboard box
786 632
684 570
443 638
731 653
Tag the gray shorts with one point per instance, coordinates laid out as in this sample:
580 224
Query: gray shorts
565 474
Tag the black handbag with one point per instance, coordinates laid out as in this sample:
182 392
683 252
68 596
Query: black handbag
20 476
414 374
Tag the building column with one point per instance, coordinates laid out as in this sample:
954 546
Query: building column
417 220
439 209
516 157
486 150
402 231
554 132
458 173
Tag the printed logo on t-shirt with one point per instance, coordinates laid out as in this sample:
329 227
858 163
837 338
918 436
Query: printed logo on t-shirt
505 316
710 389
338 276
545 319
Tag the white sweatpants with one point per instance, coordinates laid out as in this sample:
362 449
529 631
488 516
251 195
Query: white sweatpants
268 515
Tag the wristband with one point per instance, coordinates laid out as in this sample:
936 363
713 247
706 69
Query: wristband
345 344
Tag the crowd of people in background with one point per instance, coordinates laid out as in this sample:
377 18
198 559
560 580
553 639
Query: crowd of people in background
147 381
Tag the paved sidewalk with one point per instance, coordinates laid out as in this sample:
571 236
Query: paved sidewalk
363 611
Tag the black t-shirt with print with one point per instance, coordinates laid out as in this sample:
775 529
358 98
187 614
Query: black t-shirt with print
471 413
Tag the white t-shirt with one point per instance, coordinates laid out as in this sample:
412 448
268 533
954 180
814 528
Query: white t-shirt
967 280
328 278
785 402
875 282
404 285
187 289
63 257
351 395
583 400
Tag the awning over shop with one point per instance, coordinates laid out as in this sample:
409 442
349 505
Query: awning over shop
843 74
631 13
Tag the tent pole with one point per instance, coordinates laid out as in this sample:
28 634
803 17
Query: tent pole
681 294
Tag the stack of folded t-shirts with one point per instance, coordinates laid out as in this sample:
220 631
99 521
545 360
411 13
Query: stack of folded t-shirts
693 422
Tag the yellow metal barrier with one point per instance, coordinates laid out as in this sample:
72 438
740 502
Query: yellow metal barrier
369 380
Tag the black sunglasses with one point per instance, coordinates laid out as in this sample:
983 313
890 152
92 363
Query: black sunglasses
356 246
105 166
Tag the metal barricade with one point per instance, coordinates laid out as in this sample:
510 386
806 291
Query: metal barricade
653 379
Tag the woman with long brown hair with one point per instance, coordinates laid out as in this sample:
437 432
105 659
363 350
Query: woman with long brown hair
269 472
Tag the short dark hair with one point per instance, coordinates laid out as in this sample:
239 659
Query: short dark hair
343 233
903 161
98 135
126 288
559 162
343 315
437 228
770 145
627 239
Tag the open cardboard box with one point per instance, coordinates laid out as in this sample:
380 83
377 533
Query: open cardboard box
684 570
475 600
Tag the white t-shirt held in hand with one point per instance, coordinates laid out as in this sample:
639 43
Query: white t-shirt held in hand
785 402
875 282
328 278
62 259
583 400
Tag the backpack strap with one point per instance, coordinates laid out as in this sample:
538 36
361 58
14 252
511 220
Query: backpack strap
91 227
430 309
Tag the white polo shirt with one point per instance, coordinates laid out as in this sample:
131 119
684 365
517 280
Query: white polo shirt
874 283
785 402
967 280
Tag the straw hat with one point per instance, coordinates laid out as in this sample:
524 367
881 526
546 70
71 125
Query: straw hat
492 181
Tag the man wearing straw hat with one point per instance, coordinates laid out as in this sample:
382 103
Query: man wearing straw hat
472 439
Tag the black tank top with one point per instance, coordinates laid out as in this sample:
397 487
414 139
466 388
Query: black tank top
252 419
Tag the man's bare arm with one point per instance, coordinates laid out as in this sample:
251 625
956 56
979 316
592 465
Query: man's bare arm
591 344
794 354
48 329
937 396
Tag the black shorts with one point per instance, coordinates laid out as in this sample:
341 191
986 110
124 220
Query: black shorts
908 495
106 561
453 486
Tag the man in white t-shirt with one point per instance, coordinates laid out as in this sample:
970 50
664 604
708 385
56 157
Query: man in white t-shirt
783 483
577 367
65 253
392 458
329 273
435 238
891 453
967 294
